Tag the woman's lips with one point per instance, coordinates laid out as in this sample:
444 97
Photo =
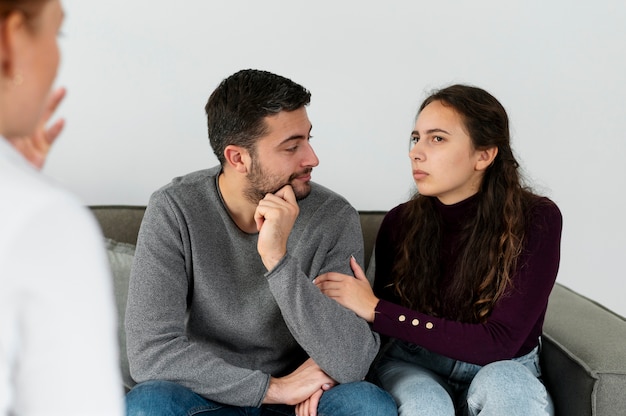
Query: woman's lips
419 174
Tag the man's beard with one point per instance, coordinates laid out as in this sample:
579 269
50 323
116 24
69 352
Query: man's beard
261 183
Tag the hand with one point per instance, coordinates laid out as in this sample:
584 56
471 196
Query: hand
354 293
309 406
35 148
274 218
299 386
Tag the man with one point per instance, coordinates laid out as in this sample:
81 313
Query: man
222 312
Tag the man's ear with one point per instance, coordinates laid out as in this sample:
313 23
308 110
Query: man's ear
12 28
238 158
486 157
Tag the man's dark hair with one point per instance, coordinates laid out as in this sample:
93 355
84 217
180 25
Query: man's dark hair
237 108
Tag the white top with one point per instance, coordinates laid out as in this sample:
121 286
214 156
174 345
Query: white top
58 345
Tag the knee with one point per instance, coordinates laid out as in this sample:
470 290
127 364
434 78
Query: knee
376 401
359 398
427 400
508 385
154 390
417 391
157 397
506 376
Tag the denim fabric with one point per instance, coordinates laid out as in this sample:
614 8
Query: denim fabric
429 384
155 398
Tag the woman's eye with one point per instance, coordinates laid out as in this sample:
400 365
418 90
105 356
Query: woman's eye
437 139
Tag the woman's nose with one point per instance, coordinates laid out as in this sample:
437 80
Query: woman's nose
415 152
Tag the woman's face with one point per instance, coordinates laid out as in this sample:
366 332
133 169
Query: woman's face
35 65
445 163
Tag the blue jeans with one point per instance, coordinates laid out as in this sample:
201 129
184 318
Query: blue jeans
429 384
152 398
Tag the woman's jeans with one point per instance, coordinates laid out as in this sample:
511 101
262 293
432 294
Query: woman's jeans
425 383
166 398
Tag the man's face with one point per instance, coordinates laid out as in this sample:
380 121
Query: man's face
283 156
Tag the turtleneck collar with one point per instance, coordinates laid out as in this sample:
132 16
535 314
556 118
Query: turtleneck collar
456 214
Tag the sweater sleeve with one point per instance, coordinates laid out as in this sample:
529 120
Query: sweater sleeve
516 319
158 347
340 342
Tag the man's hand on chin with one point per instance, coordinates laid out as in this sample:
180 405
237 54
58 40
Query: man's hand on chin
274 218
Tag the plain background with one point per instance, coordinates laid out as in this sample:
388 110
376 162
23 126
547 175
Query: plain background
139 72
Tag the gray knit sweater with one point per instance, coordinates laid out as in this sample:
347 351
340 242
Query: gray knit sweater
204 312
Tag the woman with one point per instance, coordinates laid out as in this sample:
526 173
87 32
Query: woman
58 350
463 270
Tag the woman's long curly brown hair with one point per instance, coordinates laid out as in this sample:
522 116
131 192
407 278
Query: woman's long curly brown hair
492 240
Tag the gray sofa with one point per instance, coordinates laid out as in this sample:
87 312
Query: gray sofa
584 348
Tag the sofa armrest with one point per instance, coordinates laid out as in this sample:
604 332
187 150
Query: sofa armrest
584 355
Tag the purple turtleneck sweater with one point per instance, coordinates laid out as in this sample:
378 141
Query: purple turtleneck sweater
515 323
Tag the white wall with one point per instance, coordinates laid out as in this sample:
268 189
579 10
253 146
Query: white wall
139 72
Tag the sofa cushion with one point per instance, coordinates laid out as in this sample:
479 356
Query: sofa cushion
120 260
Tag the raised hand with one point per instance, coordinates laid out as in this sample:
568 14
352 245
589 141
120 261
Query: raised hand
274 218
35 148
354 293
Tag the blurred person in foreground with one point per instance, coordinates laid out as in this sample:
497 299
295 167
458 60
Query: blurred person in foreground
58 347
